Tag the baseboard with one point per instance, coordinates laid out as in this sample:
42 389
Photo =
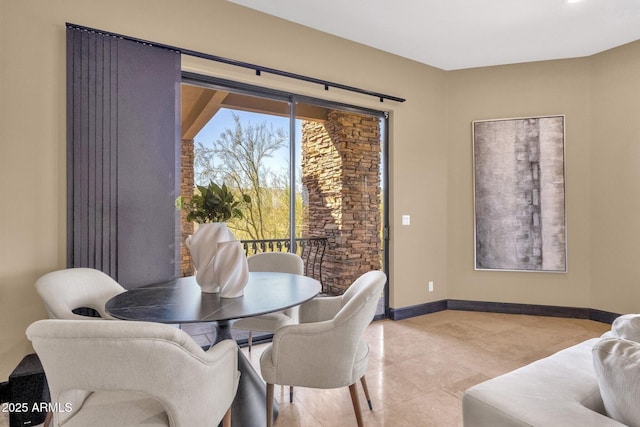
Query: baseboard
512 308
602 316
501 307
417 310
258 338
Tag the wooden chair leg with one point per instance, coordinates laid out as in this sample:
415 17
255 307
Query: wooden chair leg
366 392
226 421
48 419
250 340
269 405
353 389
290 394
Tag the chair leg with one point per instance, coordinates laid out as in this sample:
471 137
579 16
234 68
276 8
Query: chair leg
290 394
269 405
48 419
366 392
226 421
250 340
353 389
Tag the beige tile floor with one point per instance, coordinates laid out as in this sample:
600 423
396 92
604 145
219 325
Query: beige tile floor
419 367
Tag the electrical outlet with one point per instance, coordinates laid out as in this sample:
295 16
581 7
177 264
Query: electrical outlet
430 286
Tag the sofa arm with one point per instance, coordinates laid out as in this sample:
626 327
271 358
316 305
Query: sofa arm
560 390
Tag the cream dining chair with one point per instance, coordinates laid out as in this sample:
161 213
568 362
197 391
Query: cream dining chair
63 291
117 373
282 262
326 349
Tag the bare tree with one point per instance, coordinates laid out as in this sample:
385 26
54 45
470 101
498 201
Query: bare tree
237 158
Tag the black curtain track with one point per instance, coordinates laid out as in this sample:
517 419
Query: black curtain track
259 69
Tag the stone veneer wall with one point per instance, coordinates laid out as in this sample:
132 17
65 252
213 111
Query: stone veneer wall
186 190
341 177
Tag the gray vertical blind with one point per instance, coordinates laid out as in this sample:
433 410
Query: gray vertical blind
122 157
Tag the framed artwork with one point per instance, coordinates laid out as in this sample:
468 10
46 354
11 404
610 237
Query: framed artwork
519 194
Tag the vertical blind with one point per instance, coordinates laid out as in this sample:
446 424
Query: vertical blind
123 101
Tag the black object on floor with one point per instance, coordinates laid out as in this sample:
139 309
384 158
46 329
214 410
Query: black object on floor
29 399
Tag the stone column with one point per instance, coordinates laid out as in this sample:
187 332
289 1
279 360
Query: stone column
341 179
186 190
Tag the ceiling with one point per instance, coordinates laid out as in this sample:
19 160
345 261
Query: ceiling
458 34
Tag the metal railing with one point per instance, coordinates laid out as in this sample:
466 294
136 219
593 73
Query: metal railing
310 249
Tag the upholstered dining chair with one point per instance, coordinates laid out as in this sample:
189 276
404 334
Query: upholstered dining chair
281 262
326 349
63 291
119 373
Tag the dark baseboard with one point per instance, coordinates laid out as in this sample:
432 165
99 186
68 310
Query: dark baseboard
602 316
512 308
500 307
258 338
417 310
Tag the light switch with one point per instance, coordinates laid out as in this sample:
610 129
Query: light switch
406 219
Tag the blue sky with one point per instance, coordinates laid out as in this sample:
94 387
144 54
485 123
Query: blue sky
224 120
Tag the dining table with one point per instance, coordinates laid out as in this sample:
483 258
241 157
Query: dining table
181 301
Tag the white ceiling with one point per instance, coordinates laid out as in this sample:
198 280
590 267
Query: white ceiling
457 34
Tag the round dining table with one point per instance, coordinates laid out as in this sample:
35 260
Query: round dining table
181 301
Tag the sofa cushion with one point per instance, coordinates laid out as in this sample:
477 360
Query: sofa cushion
627 327
617 365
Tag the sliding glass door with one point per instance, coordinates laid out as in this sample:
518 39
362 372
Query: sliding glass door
315 172
340 177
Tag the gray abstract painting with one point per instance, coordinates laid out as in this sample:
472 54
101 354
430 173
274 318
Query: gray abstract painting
519 194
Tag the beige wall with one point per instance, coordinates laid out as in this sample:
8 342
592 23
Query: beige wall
32 110
537 89
600 97
430 148
615 180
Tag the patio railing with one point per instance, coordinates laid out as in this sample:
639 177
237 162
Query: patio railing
310 249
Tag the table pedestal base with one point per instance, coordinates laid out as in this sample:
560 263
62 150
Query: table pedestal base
249 407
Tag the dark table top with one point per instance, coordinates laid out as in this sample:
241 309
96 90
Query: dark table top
181 300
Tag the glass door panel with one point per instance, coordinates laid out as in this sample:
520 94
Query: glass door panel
249 152
241 141
315 173
342 192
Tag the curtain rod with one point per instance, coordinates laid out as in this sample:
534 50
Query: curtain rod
259 69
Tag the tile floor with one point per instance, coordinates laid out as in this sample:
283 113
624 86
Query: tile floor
419 367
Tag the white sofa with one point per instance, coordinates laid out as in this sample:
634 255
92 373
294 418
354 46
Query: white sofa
564 389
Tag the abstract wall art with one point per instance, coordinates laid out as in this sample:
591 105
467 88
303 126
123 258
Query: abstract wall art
519 194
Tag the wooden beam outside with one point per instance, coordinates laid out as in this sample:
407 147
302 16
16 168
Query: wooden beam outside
253 104
206 105
200 104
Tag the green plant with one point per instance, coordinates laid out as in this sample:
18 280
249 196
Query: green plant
213 203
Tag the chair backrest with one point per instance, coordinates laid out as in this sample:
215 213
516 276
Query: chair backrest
282 262
328 353
63 291
359 304
360 300
83 356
